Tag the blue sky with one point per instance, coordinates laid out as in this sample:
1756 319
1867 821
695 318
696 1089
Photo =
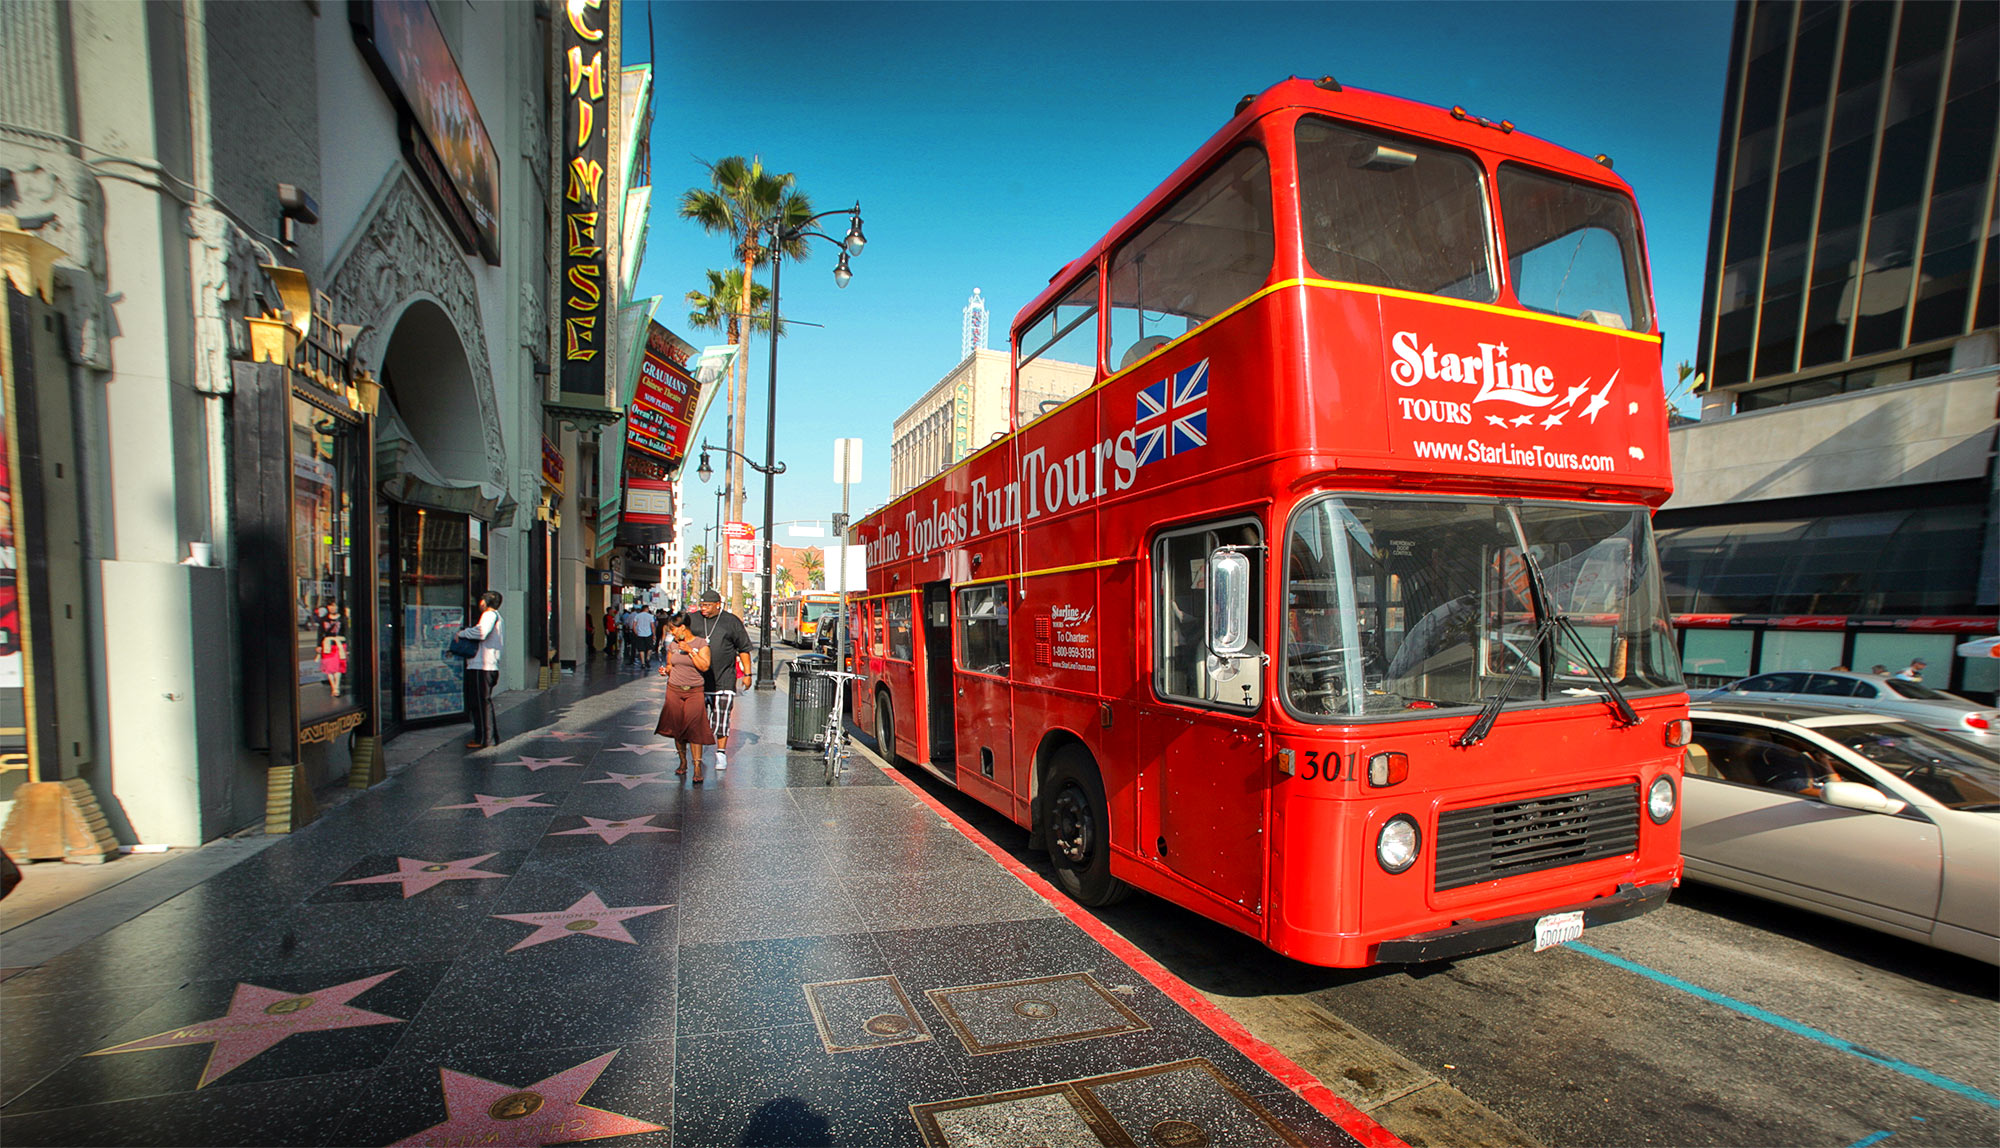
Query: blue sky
990 143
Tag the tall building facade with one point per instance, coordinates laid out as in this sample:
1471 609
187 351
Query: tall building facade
299 361
960 414
1836 504
1853 242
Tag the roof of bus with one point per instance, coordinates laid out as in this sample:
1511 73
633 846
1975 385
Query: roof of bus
1374 108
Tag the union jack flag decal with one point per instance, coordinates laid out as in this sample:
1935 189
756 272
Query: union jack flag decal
1172 415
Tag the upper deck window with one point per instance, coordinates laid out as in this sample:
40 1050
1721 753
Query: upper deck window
1391 212
1209 250
1573 249
1058 353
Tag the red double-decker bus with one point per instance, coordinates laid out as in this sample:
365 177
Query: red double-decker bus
1315 589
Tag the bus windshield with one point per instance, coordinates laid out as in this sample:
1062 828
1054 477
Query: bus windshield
814 609
1395 605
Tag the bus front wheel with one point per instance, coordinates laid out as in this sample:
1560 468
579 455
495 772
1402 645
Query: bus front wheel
1078 831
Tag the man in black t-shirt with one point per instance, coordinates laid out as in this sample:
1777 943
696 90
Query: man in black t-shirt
728 666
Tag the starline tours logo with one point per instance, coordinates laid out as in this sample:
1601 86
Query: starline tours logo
1502 382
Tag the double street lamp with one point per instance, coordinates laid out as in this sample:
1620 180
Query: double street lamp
782 237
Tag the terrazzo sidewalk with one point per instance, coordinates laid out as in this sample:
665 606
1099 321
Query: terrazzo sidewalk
559 940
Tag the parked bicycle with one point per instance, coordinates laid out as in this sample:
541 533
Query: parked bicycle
834 749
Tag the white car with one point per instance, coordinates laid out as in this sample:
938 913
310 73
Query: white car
1894 697
1857 816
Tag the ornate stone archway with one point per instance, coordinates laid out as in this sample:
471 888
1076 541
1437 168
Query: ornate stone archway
403 253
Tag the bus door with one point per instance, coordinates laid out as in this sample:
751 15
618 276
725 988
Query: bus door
984 699
938 691
1202 743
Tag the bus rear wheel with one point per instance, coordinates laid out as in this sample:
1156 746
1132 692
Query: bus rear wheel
1078 831
885 728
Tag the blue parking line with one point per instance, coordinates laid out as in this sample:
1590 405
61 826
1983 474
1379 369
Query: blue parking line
1795 1028
1871 1138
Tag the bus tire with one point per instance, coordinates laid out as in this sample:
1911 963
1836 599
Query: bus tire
1078 831
885 727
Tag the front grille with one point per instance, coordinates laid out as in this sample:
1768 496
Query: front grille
1517 837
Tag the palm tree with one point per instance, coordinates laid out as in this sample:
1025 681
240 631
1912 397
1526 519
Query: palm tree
749 205
812 566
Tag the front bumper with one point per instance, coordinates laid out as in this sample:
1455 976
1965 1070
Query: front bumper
1484 936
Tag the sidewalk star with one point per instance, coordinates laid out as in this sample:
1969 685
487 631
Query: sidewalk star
546 1112
613 831
628 747
631 780
259 1018
588 916
568 735
540 763
417 875
493 805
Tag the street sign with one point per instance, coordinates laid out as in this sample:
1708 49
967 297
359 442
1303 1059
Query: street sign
847 460
742 547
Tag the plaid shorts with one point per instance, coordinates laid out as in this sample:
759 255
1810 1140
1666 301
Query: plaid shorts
721 706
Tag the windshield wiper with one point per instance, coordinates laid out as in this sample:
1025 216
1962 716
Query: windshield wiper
1489 712
1626 714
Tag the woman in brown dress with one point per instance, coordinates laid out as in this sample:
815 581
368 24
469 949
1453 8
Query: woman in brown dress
684 716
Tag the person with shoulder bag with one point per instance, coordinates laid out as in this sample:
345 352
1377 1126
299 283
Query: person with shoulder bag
482 670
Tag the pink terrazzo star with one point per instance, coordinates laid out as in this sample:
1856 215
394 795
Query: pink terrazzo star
493 805
628 747
417 875
631 780
589 916
569 735
614 831
259 1018
540 763
545 1112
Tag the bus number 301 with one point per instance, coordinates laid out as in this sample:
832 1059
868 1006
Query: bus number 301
1322 766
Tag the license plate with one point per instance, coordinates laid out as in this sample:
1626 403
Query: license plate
1558 929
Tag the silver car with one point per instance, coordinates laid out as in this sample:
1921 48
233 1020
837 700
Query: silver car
1912 701
1857 816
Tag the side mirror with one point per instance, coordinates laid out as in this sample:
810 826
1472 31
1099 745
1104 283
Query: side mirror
1228 602
1865 798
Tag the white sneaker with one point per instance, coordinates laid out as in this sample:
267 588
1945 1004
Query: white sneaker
721 761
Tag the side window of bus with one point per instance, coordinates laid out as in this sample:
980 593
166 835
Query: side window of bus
982 629
1183 668
1573 249
1058 353
1209 250
1391 212
900 644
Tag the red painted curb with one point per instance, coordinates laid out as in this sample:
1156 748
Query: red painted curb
1351 1120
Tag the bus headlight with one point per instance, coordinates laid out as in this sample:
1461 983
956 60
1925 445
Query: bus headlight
1397 845
1661 799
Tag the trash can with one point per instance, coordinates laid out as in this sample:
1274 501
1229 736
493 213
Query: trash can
811 697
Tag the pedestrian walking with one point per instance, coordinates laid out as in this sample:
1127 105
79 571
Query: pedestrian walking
611 633
643 628
683 714
728 666
482 670
1914 672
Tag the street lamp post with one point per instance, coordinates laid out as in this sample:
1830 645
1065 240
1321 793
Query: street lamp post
770 471
781 237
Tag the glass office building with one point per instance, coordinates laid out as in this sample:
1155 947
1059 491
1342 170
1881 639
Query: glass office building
1852 249
1853 240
